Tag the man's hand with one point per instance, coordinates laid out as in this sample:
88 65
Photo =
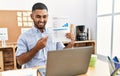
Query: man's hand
41 43
71 37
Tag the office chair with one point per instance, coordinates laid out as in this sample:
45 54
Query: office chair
17 65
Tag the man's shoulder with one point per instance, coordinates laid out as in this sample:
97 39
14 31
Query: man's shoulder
26 33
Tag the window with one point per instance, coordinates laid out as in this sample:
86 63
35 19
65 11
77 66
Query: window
108 27
116 36
102 8
104 35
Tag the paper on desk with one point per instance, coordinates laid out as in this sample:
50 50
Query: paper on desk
21 72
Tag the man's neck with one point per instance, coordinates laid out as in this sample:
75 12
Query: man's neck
41 30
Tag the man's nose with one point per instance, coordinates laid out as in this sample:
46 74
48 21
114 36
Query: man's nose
41 19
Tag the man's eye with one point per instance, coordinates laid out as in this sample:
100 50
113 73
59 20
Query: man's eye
45 16
37 16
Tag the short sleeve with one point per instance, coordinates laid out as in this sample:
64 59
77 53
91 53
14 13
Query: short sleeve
21 46
59 46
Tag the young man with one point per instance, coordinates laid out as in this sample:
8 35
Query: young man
32 48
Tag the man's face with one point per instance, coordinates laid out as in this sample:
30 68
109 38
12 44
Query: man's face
40 18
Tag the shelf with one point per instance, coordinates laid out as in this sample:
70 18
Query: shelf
84 43
8 58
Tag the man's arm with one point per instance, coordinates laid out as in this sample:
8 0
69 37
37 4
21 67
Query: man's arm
25 57
70 36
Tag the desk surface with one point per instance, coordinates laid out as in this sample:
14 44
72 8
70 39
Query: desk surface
101 69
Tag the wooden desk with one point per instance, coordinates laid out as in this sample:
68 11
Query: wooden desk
101 69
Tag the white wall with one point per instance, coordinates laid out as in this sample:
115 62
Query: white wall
77 11
91 17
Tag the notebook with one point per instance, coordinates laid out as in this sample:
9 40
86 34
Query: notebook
68 62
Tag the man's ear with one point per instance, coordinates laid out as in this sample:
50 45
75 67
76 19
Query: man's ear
31 15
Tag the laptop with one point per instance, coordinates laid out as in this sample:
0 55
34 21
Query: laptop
68 62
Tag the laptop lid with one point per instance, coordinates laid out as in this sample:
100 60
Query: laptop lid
68 62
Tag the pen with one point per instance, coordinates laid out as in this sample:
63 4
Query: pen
111 63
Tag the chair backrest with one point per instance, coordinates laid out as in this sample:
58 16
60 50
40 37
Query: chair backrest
17 65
